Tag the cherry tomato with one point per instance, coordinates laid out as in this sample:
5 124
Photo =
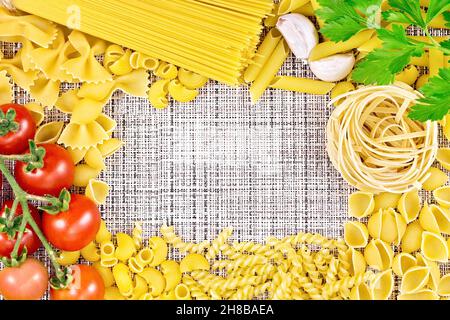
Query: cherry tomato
87 284
29 240
29 281
75 228
58 173
16 142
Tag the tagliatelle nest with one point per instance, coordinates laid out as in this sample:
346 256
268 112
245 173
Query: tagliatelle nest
373 143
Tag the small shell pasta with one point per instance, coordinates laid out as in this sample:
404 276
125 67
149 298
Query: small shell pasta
435 219
434 247
49 132
409 205
443 157
37 112
412 238
414 279
97 191
442 196
357 263
91 253
387 225
437 179
379 255
356 234
443 288
382 285
425 294
361 292
194 262
403 262
435 272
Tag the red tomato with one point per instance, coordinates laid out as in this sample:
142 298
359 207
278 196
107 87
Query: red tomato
29 281
75 228
16 142
87 284
30 240
58 173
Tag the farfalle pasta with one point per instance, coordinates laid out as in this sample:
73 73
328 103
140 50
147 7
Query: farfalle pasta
84 174
14 67
45 91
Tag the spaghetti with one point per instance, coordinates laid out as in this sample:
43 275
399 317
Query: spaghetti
215 38
374 144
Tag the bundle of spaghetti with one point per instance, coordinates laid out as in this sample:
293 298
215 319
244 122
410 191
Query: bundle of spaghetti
215 38
375 145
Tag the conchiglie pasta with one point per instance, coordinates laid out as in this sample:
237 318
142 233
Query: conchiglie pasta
360 204
379 255
443 288
194 262
434 247
403 262
84 174
409 205
97 191
37 112
382 285
356 234
361 292
412 238
442 196
443 156
387 225
415 279
155 281
435 272
125 247
180 93
437 179
357 263
172 274
435 219
49 132
425 294
386 200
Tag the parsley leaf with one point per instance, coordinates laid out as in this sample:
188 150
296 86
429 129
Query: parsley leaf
436 7
382 64
411 10
345 18
436 103
447 18
445 44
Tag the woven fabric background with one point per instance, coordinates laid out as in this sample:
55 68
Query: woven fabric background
221 161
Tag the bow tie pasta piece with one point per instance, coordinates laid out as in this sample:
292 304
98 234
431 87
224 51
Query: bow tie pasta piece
37 112
382 285
109 147
122 277
142 61
107 123
409 205
125 247
386 200
387 225
436 180
403 262
357 263
435 219
85 67
68 101
356 234
360 204
77 155
94 159
14 67
435 272
160 250
172 273
426 294
105 273
26 50
155 280
97 191
442 196
412 238
49 132
157 94
6 90
40 31
83 136
86 111
434 247
444 286
194 262
45 91
443 157
379 255
84 174
361 292
414 279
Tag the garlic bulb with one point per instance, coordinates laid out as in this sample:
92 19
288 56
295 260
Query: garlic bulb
299 32
333 68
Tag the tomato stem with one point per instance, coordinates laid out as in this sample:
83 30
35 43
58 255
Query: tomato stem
15 157
13 210
22 197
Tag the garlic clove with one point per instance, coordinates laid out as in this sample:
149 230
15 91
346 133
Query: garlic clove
333 68
300 34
